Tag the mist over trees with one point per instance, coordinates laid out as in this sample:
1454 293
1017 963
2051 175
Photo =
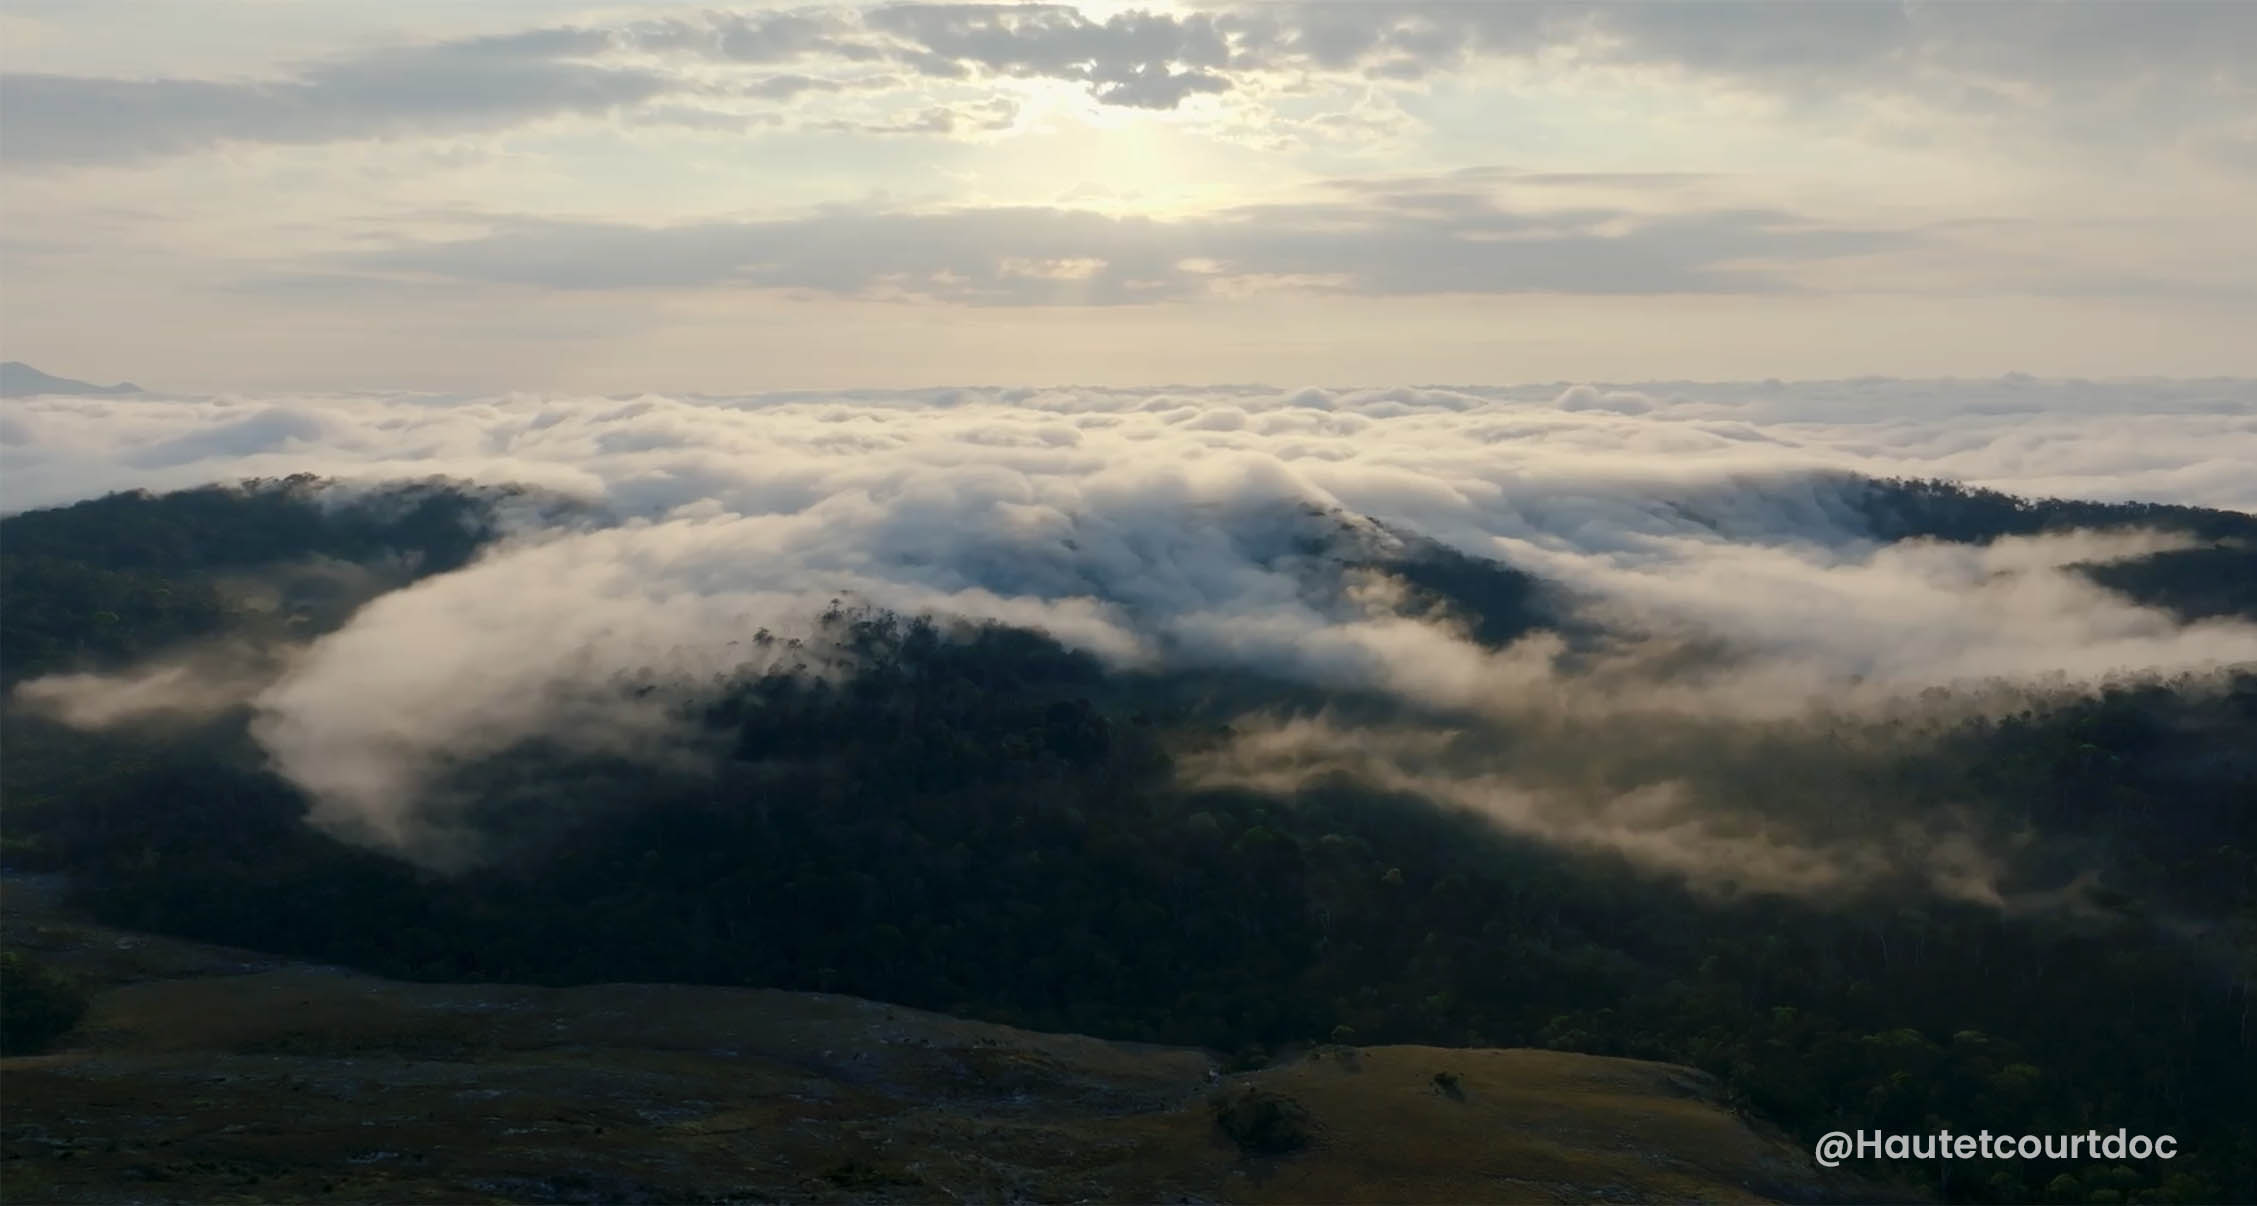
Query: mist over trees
976 817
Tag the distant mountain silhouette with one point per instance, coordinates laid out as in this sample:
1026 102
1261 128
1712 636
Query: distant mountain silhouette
18 378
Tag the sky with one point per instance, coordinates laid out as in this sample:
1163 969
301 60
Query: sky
520 194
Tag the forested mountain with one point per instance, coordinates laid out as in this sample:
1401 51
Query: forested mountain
2216 576
104 582
976 818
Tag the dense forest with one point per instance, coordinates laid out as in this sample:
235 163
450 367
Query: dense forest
974 818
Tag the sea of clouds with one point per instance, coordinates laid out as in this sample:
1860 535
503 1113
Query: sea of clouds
1186 527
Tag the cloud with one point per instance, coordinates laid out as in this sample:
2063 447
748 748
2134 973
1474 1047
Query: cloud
1141 60
1703 832
1391 246
988 116
758 37
187 689
1622 402
477 84
785 87
1802 49
1714 532
496 82
2042 61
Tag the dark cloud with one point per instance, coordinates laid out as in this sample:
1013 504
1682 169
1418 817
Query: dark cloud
1142 60
2187 56
1398 39
785 87
1158 88
1137 60
478 84
1802 46
1388 245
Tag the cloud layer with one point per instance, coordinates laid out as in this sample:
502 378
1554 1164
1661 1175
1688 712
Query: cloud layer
1200 527
1384 244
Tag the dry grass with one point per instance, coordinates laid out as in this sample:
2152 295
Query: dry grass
210 1075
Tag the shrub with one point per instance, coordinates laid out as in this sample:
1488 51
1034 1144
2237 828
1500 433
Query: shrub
37 1004
1263 1123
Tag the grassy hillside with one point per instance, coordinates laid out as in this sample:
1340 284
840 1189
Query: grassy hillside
207 1074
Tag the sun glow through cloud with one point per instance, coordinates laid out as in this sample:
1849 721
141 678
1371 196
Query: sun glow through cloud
1634 190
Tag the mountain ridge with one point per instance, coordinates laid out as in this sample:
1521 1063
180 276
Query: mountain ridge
20 380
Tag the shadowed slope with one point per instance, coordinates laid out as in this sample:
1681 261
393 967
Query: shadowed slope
203 1073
